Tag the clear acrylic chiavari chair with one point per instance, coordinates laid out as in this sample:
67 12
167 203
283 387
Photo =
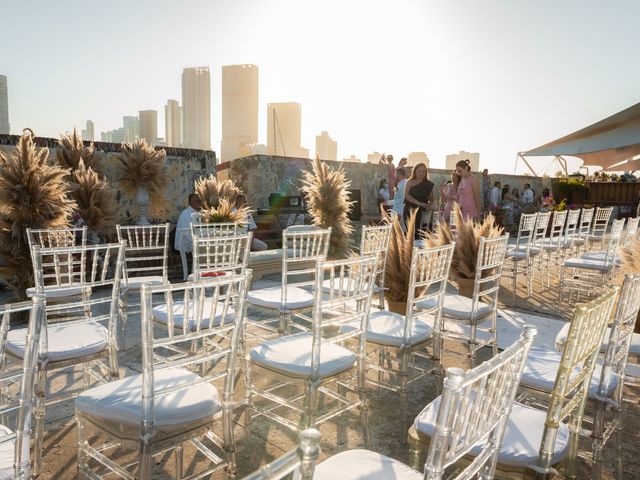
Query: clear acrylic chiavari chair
145 262
584 229
298 464
175 400
325 366
214 256
78 334
469 417
518 259
598 232
303 246
17 384
553 244
570 233
631 232
375 241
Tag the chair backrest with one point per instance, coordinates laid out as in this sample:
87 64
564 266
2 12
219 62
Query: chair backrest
491 253
56 237
427 284
474 409
584 225
375 240
215 255
571 225
624 321
84 269
299 462
453 224
601 221
18 383
542 223
632 229
615 237
302 247
571 387
212 312
557 227
526 231
342 298
147 249
221 229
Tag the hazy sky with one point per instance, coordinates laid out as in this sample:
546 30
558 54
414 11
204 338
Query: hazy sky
396 76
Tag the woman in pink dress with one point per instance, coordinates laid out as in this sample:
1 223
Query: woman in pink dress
451 196
468 191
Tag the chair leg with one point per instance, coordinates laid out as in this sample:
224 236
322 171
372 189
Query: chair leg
597 441
38 414
311 397
82 467
179 454
404 403
228 438
617 415
364 407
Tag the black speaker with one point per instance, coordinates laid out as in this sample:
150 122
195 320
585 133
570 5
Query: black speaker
356 209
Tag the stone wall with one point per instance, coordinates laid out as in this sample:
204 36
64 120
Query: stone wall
185 166
261 175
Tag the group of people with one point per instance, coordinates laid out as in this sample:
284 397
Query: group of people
402 194
511 201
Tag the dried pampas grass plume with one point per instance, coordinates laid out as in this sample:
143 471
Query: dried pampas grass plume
396 274
211 190
328 203
96 201
71 151
33 194
142 166
225 213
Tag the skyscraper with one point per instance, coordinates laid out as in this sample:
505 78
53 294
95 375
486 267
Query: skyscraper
196 108
131 128
4 105
239 110
474 159
326 147
415 158
88 133
149 125
283 130
173 123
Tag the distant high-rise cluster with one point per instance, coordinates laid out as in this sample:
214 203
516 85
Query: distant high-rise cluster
4 106
474 159
173 123
326 147
88 133
284 125
196 108
148 125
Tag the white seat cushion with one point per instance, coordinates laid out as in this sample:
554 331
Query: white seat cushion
387 328
601 256
134 283
587 264
517 254
270 298
53 291
121 401
364 465
161 313
457 306
291 355
64 342
521 439
634 346
541 369
7 455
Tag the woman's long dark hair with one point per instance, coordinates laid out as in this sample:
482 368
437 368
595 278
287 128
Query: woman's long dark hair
415 169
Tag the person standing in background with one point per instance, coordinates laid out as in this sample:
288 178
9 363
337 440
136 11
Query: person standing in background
398 199
468 191
528 195
451 196
418 193
496 195
486 190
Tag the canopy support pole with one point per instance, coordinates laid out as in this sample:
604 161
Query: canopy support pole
527 164
563 164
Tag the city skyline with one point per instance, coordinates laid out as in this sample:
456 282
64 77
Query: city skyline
493 77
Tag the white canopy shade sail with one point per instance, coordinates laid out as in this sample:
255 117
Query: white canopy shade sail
604 144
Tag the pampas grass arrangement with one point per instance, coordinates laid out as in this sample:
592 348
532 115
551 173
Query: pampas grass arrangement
33 194
142 166
225 213
468 234
96 201
71 151
396 274
328 202
211 190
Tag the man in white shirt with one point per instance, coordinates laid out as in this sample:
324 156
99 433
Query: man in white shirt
527 196
183 228
496 193
398 199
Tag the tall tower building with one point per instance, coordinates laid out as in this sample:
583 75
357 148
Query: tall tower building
415 158
173 123
88 134
149 125
131 127
239 110
196 108
326 147
474 160
283 130
4 105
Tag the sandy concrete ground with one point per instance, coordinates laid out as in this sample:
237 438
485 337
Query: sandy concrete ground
267 440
